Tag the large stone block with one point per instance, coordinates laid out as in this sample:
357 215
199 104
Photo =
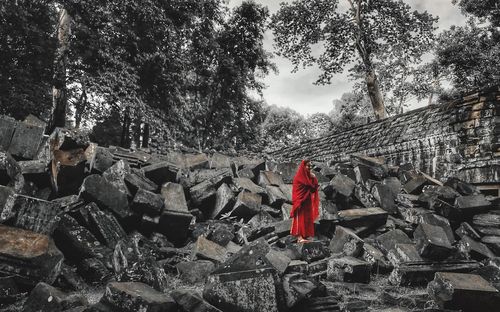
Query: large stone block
346 242
342 185
195 271
224 201
174 199
10 172
370 217
475 250
267 178
161 172
134 296
247 205
386 198
206 249
275 196
402 253
146 202
348 269
45 298
205 191
97 189
466 292
25 140
190 301
388 240
137 180
116 175
440 221
287 170
432 242
30 256
465 207
104 226
175 225
35 214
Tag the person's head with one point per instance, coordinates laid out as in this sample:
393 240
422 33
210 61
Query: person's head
307 164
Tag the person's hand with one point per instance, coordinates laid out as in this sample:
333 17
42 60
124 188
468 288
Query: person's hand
312 174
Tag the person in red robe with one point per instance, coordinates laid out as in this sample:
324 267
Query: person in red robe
305 201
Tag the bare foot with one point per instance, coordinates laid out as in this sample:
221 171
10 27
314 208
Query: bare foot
302 240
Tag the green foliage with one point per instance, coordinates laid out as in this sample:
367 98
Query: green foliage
351 110
27 46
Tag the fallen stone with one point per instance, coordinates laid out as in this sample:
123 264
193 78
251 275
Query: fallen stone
372 217
45 298
247 205
104 226
287 190
206 190
342 185
402 253
196 161
285 210
266 178
175 225
287 170
422 272
346 242
35 171
466 229
103 159
206 249
313 251
161 172
385 196
467 292
282 228
191 301
94 271
10 172
461 187
146 202
136 180
278 259
195 271
487 231
246 173
412 215
416 184
76 242
133 296
466 206
247 184
297 287
275 197
442 222
112 199
30 256
493 242
35 214
364 197
68 170
432 242
487 220
475 250
25 140
116 175
224 201
388 240
348 269
218 161
174 199
362 173
376 258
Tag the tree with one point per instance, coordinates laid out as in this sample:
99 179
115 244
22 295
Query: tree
351 110
367 33
318 125
27 47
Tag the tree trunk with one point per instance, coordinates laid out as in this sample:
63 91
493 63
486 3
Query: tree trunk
145 135
125 139
375 95
80 108
59 96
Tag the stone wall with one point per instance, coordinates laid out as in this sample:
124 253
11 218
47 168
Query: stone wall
459 139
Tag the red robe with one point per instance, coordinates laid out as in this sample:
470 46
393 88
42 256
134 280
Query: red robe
305 200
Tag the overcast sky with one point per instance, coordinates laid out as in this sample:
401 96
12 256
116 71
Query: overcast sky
297 91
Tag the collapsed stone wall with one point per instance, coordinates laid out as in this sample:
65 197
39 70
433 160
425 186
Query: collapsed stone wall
459 139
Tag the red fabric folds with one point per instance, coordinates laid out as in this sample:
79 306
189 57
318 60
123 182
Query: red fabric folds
305 200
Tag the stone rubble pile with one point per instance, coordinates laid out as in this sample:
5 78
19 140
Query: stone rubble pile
198 232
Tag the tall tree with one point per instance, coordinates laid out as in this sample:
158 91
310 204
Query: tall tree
362 33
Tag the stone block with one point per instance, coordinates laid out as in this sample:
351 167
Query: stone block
432 242
103 159
346 242
207 190
287 170
218 161
384 195
196 161
343 185
402 253
245 184
371 217
388 240
466 292
45 298
416 184
348 269
190 301
10 172
275 197
206 249
7 128
94 271
35 214
466 206
97 189
116 175
376 258
487 220
282 228
298 287
475 250
224 201
246 173
364 197
266 178
104 226
247 205
133 296
195 271
313 251
278 259
30 256
161 172
25 140
466 229
493 243
174 199
146 202
175 225
440 221
68 170
136 180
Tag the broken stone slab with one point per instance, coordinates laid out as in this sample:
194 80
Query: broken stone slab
196 161
348 269
440 221
247 205
362 174
384 195
224 201
475 250
493 242
103 159
343 185
146 202
161 172
218 161
68 170
189 179
422 272
416 184
134 296
282 228
372 217
206 249
487 220
412 215
487 231
388 240
407 200
136 180
246 291
246 173
462 187
465 207
247 184
175 225
45 298
403 253
266 178
35 171
394 185
432 242
30 256
275 197
287 190
287 170
191 301
221 233
35 214
278 259
94 271
10 172
467 292
346 242
376 258
364 197
104 226
174 199
466 229
112 198
207 190
250 257
25 140
195 271
313 251
7 199
116 175
298 287
376 165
